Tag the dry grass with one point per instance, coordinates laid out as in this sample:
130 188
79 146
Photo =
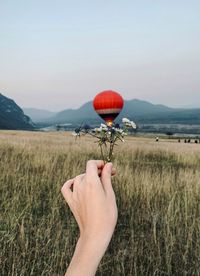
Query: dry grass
158 195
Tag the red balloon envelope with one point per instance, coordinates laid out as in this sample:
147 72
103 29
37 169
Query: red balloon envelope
108 104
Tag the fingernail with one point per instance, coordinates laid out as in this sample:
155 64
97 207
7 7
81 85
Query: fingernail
110 166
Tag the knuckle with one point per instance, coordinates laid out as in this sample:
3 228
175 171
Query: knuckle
77 179
90 162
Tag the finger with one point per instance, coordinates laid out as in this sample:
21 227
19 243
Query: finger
113 171
106 178
78 181
93 166
79 178
66 190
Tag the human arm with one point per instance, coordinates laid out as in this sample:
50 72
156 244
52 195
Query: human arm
92 202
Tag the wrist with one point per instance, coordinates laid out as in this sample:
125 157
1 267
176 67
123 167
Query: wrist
87 256
93 245
100 240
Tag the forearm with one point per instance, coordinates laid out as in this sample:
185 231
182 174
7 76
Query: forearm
86 258
93 204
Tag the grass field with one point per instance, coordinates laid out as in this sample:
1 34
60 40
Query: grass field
158 194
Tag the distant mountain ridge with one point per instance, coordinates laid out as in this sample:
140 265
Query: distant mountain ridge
38 115
142 112
12 116
137 110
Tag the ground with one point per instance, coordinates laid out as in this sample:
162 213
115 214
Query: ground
157 188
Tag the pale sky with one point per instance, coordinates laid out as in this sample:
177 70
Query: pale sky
58 54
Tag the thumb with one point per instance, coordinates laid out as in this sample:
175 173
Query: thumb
106 177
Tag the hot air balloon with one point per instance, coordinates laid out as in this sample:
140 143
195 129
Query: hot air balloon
108 104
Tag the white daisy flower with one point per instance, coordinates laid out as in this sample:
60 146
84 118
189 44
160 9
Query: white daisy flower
104 127
129 123
133 125
125 120
98 129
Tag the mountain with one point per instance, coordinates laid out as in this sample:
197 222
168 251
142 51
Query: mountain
140 111
38 115
132 109
12 116
137 108
84 113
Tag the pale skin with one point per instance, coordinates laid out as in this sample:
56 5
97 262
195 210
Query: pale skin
91 199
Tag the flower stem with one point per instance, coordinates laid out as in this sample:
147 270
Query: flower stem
102 155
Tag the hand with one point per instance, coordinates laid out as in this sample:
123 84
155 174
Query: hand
91 199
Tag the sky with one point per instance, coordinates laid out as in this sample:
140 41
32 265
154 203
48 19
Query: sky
59 54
